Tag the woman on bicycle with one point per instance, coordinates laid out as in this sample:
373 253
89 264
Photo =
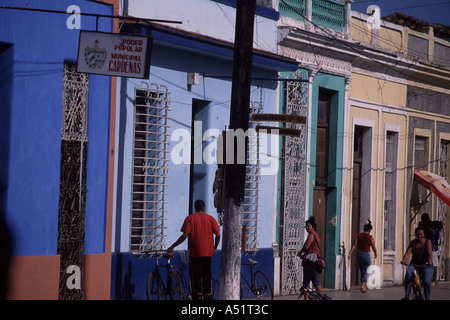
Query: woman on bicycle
363 242
311 246
421 251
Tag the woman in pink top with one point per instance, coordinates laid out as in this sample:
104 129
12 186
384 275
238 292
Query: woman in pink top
311 247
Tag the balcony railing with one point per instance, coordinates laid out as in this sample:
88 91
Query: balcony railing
326 13
329 14
293 9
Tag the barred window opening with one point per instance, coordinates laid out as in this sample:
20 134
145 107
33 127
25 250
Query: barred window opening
149 169
390 190
252 182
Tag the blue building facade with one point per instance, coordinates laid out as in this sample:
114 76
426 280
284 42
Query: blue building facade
157 181
49 113
132 195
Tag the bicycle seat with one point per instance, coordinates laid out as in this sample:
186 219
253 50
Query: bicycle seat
169 255
252 262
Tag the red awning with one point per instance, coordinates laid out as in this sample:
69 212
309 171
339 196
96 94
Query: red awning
436 184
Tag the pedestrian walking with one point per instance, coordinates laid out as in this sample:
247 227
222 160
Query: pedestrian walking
432 230
363 242
200 229
309 254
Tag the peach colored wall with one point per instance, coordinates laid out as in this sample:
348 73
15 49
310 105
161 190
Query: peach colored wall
97 276
33 278
37 277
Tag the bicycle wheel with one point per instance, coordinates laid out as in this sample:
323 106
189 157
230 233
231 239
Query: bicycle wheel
313 295
326 297
262 286
302 293
418 293
176 292
154 287
409 292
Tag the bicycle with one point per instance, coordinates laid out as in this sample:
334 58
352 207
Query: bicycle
414 288
259 284
157 289
313 294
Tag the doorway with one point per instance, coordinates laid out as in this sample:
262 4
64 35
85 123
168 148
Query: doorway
198 170
362 150
321 179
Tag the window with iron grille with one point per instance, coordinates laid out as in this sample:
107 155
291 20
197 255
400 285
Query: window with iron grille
390 190
328 13
417 47
149 169
420 162
442 212
252 181
293 8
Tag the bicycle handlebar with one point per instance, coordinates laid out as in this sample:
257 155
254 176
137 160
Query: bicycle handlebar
417 266
163 253
169 255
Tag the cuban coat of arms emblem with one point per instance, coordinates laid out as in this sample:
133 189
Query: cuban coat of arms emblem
95 57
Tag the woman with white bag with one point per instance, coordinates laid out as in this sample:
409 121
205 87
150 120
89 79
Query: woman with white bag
363 242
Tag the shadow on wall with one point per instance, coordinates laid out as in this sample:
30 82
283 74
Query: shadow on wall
130 271
5 255
6 78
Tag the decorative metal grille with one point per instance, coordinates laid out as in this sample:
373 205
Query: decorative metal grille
327 13
149 168
390 193
72 190
75 101
293 187
420 151
442 212
293 8
252 182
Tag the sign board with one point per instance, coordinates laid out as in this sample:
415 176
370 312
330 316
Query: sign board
281 131
292 118
119 55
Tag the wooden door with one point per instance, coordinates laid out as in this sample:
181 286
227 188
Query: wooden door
320 212
355 220
321 178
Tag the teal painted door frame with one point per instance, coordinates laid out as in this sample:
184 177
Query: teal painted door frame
335 163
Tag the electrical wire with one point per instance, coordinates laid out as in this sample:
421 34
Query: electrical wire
231 21
390 41
380 39
419 6
351 46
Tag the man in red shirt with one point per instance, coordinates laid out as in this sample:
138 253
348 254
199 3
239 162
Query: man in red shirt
199 228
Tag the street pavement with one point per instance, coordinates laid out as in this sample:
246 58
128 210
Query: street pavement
439 292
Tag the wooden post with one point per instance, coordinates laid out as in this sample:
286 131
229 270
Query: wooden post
230 267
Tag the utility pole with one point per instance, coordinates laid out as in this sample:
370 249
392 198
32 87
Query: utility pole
230 266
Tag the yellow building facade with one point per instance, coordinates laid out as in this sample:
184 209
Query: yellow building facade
397 120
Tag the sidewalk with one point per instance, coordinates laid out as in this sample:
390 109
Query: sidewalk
439 292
